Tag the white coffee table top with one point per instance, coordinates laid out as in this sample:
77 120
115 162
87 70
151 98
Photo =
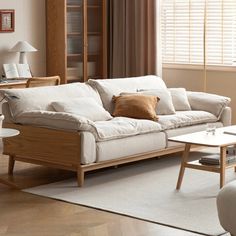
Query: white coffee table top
6 133
220 139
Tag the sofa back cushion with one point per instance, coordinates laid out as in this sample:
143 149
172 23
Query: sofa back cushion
40 98
113 87
86 107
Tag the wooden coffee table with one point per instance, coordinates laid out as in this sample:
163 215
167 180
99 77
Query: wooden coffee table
220 139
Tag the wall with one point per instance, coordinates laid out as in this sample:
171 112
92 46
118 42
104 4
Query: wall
29 26
218 82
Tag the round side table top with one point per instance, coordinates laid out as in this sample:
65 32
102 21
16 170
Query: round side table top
6 133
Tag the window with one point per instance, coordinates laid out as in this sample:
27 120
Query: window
186 24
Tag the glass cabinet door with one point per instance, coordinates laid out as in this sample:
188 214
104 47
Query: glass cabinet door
77 39
95 34
75 35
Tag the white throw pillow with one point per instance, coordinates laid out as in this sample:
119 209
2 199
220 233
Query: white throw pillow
165 105
86 107
180 99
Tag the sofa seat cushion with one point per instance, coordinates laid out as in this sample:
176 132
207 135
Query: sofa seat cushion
185 118
129 146
40 98
114 87
87 148
115 128
120 127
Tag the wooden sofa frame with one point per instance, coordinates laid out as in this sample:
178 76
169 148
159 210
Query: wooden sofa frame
60 149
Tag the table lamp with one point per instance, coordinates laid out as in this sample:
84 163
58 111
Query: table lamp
23 47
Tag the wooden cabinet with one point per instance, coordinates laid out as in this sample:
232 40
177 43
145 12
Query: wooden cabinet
76 39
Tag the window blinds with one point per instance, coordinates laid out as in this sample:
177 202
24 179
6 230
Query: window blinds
183 25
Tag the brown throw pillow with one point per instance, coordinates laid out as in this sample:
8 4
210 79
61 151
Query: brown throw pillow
136 106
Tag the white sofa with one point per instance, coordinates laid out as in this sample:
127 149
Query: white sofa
71 141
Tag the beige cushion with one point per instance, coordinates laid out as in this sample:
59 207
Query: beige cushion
212 103
40 98
165 105
136 106
86 107
113 87
180 99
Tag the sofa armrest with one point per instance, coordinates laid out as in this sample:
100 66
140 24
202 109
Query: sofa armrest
226 116
7 113
87 139
212 103
55 120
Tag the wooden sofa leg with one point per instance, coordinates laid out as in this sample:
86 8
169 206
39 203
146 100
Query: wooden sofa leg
80 177
11 164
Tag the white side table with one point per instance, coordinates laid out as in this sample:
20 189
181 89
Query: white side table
7 133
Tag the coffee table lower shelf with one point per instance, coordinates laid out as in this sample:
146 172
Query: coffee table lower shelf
211 168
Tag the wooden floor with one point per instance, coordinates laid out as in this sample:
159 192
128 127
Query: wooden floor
27 214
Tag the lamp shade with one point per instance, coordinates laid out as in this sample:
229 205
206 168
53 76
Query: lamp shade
23 46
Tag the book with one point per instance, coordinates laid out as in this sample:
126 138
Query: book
230 131
231 150
12 71
214 159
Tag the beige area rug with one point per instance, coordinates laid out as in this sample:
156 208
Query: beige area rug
146 190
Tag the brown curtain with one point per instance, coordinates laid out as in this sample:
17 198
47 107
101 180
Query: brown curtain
132 38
